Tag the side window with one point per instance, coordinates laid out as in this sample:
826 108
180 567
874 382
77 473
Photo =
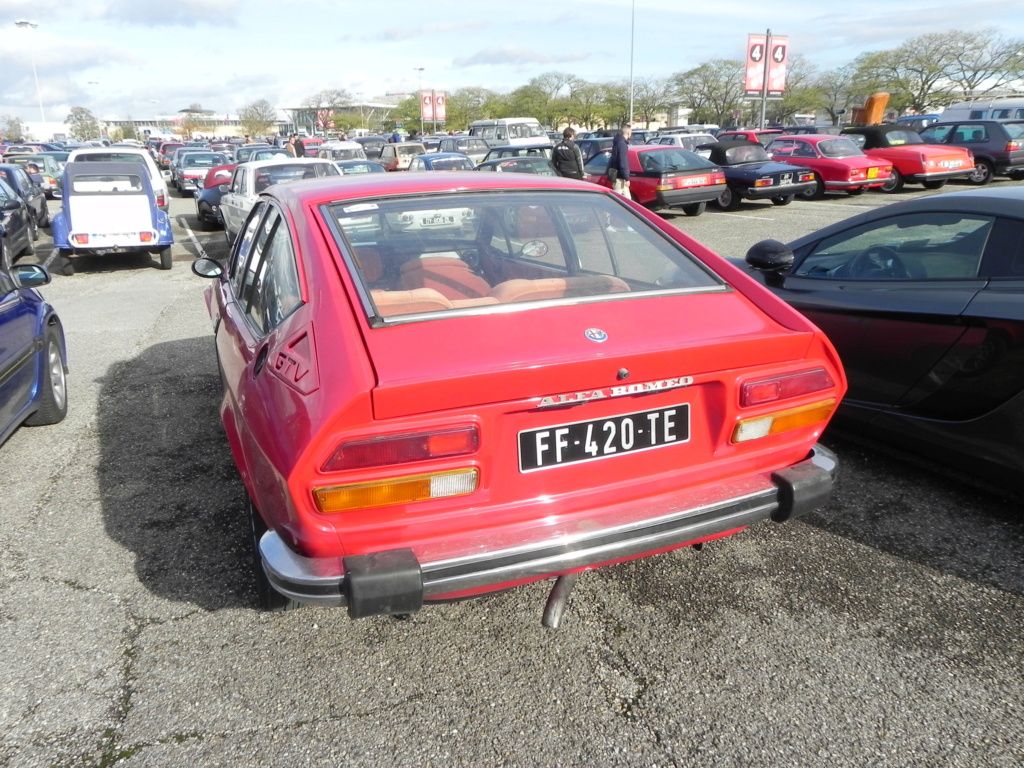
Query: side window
274 293
1004 257
6 193
936 134
244 248
914 246
977 114
23 180
972 133
238 183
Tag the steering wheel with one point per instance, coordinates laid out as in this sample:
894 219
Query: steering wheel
878 261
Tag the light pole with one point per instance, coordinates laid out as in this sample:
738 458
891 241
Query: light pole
632 28
26 24
419 95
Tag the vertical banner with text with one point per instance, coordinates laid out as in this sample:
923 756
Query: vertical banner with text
762 52
426 106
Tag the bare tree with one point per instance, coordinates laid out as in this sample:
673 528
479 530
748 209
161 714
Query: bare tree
916 74
258 118
985 61
12 128
712 91
650 96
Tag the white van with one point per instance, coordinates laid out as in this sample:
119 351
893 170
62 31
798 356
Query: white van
509 131
993 108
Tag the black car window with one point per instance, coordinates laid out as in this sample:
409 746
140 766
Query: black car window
6 193
275 292
244 248
936 134
915 246
1004 257
971 133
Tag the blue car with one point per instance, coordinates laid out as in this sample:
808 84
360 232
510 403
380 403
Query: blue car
110 207
33 358
750 174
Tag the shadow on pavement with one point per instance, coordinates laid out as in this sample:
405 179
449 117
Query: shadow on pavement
170 490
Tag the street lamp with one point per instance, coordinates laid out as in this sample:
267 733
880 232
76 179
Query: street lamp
419 95
26 24
632 28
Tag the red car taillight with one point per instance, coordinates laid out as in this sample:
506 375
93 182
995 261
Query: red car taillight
784 387
81 239
1012 146
146 237
858 174
402 449
160 200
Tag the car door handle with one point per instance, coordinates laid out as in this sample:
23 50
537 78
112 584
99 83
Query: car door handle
261 360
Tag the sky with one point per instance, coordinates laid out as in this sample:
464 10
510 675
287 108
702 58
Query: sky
141 58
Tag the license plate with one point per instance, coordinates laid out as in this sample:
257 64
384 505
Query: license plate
580 441
872 173
694 181
786 178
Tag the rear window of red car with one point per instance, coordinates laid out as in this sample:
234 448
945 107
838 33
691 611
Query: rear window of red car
477 251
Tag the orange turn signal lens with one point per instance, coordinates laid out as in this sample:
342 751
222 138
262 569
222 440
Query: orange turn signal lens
397 490
783 421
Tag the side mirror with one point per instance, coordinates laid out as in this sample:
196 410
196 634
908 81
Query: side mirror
30 275
770 256
224 188
12 204
207 267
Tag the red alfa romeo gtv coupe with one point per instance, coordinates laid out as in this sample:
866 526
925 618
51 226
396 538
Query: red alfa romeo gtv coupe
442 385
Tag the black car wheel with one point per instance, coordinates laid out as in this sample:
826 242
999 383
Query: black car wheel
728 200
694 209
937 184
33 231
894 183
53 398
63 263
43 219
816 192
783 199
269 598
856 191
166 260
982 173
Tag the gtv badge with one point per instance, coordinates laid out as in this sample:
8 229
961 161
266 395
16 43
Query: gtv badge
596 334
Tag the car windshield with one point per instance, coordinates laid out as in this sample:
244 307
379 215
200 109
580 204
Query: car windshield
838 148
536 165
110 157
410 254
286 172
899 138
203 160
451 164
746 155
410 149
344 153
106 184
357 167
670 159
267 154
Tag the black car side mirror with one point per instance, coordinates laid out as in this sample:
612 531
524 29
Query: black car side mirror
770 256
12 204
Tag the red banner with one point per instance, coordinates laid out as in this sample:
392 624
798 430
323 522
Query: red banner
440 110
426 106
761 52
432 106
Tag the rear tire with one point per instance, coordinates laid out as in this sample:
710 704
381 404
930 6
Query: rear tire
64 264
694 209
894 183
269 599
937 184
728 200
53 398
44 217
783 199
982 174
817 192
166 260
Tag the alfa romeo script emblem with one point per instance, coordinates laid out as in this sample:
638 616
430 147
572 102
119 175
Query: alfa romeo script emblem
595 334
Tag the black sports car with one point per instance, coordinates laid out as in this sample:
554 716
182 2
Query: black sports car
752 175
924 301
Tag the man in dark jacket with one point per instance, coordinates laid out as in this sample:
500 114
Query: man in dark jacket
566 156
618 163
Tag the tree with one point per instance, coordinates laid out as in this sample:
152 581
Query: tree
712 91
258 118
13 128
916 74
317 108
984 61
82 124
650 96
801 95
466 105
836 87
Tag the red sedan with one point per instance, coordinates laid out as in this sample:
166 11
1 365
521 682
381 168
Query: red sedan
837 162
441 385
664 177
913 161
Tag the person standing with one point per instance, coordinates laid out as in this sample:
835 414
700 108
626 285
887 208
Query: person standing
566 156
300 148
290 146
618 163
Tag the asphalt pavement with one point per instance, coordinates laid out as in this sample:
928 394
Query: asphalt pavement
884 630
